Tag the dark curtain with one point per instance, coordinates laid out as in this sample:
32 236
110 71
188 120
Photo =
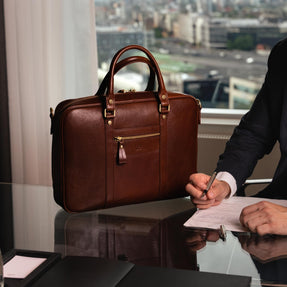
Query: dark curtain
6 210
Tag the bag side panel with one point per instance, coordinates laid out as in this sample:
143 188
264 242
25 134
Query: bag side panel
83 157
56 167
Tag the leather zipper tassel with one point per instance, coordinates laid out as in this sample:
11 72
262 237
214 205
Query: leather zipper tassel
122 157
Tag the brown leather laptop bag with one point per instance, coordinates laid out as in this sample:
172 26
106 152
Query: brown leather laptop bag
117 148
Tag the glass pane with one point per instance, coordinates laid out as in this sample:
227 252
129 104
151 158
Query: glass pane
215 50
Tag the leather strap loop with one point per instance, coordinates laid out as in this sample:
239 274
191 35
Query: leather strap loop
127 61
162 93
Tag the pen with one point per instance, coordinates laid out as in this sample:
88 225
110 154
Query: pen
222 232
211 180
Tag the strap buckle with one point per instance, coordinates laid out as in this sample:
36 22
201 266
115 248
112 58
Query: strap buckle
160 108
110 115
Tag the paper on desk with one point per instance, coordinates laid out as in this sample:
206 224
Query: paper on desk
21 266
226 213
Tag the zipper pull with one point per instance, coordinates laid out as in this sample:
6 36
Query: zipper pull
122 157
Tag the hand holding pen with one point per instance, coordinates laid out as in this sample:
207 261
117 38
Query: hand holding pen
206 191
210 182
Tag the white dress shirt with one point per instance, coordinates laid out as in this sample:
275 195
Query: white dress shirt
227 177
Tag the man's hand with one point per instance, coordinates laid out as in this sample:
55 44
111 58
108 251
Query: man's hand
217 192
265 218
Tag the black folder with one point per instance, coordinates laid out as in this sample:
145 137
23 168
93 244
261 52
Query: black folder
84 272
143 276
92 271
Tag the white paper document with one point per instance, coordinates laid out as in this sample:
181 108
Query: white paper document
21 266
227 213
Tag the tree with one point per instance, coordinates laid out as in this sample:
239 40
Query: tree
242 42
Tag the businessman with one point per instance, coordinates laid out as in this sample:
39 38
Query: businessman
254 137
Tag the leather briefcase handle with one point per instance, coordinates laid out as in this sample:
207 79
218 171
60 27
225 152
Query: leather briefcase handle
110 97
127 61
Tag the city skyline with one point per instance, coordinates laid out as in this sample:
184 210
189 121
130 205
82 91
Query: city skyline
196 40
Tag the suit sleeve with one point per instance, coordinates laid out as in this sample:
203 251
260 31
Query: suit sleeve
259 129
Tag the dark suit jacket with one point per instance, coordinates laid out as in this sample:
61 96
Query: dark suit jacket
262 127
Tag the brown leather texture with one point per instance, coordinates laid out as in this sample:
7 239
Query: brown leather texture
114 149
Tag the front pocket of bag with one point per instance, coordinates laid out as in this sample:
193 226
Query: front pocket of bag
136 168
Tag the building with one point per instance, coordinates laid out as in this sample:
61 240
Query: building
111 39
216 33
242 92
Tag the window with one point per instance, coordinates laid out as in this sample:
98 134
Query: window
216 50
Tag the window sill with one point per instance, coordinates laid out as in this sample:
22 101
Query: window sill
218 123
221 116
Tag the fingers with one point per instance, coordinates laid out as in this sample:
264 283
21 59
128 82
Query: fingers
265 218
198 183
249 210
264 229
195 188
252 217
256 223
219 190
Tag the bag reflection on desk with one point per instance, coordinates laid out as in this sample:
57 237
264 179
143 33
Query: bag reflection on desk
142 241
120 148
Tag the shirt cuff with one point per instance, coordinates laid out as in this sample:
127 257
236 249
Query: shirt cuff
227 177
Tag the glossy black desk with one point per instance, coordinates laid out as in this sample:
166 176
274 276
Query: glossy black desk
148 234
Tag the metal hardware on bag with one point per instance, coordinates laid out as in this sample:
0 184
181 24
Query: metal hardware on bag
105 113
199 106
199 103
160 109
51 113
110 101
121 154
110 122
120 138
163 97
164 117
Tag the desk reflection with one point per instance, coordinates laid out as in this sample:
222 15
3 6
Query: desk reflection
144 241
269 254
164 242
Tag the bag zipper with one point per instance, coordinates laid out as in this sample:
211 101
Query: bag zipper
121 138
121 154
